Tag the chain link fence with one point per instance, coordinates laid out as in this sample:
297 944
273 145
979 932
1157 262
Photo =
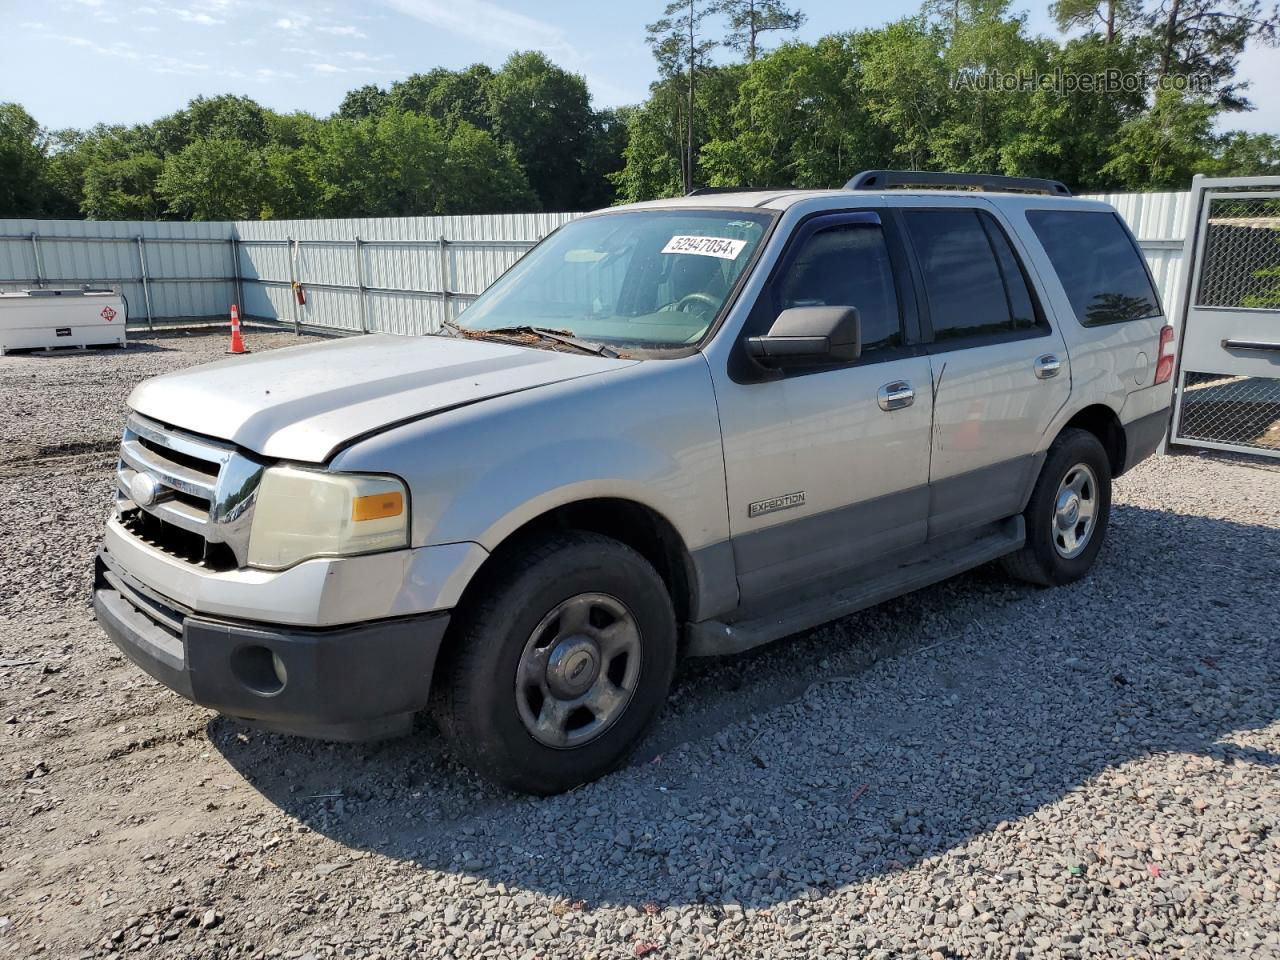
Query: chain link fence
1242 254
1244 411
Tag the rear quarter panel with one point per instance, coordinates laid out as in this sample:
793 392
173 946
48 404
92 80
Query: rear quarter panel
1113 364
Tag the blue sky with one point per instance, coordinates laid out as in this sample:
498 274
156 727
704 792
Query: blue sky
77 62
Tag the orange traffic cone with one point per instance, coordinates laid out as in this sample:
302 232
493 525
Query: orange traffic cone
237 341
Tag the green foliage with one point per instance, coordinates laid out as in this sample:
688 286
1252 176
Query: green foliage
545 113
749 19
214 179
527 136
21 162
1164 147
123 188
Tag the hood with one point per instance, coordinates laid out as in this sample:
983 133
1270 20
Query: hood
302 403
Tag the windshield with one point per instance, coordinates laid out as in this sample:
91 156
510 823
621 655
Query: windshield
649 279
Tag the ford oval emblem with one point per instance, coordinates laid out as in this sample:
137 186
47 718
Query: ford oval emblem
143 489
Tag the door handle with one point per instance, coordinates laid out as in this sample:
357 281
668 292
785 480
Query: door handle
896 395
1250 345
1047 366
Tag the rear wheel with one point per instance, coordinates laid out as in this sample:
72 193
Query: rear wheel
1067 515
560 664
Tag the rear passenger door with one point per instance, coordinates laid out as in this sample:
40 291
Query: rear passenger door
999 371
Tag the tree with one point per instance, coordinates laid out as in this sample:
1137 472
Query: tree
215 179
750 18
1163 148
1240 154
483 175
545 113
123 188
800 119
366 101
21 162
1110 16
1204 38
680 47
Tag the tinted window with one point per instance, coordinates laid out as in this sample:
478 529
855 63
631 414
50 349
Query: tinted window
847 265
1022 308
1098 264
973 281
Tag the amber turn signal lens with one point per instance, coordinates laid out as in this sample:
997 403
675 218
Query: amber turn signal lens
377 506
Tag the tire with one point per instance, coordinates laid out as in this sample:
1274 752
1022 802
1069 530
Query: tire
1056 552
548 616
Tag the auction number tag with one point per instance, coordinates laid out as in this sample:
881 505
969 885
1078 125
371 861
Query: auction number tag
721 247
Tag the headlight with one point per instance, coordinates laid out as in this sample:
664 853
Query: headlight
307 513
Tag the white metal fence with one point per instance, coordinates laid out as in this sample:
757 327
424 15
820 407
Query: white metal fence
393 275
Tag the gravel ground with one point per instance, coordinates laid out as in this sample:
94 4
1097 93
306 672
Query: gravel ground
980 769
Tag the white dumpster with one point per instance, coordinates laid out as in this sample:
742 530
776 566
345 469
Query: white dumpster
34 319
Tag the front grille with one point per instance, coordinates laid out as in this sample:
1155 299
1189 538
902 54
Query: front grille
176 542
188 496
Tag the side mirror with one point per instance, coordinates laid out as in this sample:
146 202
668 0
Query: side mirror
810 335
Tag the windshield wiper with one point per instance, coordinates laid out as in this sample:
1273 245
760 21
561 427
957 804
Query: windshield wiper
558 336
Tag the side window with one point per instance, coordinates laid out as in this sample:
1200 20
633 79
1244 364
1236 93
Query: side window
1022 308
1100 268
847 265
972 278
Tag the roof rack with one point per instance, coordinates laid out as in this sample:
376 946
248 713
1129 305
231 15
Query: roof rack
709 191
890 179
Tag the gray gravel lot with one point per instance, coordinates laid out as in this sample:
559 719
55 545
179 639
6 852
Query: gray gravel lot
980 769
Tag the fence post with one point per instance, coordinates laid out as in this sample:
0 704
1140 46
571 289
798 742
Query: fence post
292 247
35 249
364 314
146 286
446 284
238 282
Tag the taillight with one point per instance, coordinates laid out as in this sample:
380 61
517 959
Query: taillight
1164 364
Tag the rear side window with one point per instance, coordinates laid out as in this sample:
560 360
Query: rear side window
974 282
1100 268
847 265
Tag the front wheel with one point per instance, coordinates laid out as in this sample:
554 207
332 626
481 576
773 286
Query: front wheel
1066 517
560 664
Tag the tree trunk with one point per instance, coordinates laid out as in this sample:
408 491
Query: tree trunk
1170 37
751 32
688 166
1111 21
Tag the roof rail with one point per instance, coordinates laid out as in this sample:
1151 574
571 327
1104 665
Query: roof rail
890 179
709 191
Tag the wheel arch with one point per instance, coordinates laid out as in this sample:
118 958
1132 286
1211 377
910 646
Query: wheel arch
628 521
1103 423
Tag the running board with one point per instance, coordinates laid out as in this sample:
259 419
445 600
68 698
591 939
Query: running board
712 638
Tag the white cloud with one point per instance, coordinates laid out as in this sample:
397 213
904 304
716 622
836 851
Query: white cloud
90 3
326 68
32 25
303 51
146 11
361 57
294 23
489 24
195 16
147 29
266 73
344 32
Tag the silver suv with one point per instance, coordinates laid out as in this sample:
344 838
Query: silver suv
679 428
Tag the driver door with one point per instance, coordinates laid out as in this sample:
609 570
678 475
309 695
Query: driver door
827 468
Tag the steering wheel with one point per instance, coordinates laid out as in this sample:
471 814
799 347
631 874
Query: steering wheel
690 298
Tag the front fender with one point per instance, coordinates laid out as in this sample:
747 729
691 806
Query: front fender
647 433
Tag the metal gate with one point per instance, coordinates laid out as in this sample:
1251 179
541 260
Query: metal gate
1228 388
